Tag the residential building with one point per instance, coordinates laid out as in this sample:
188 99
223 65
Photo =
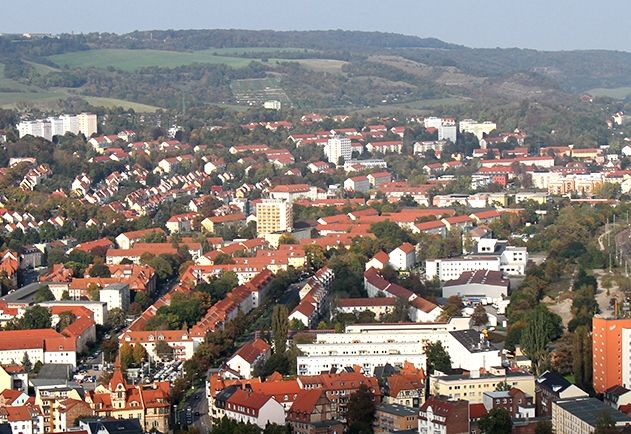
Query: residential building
85 123
249 356
581 416
41 345
273 216
116 296
393 418
251 407
478 129
519 405
359 184
438 415
148 403
551 387
611 348
403 257
109 426
338 150
313 413
474 385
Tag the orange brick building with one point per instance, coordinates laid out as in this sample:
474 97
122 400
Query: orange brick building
607 351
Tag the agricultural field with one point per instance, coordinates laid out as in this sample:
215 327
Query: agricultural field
131 60
258 90
616 93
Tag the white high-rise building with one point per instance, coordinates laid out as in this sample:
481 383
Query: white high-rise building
85 123
447 132
337 147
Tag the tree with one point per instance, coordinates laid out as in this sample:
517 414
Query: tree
26 362
315 256
36 317
116 318
100 270
542 327
65 319
43 294
287 239
65 295
582 357
438 358
360 413
543 427
94 292
280 328
479 316
126 355
453 307
164 350
605 424
223 258
138 354
496 421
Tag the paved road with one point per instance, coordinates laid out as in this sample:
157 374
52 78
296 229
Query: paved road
199 405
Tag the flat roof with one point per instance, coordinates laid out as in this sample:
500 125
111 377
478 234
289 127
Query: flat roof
589 410
399 410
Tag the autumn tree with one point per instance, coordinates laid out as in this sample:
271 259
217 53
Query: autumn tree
479 316
126 355
280 328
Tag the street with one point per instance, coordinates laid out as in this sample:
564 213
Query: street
198 413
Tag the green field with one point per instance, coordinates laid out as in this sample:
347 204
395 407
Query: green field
131 60
616 92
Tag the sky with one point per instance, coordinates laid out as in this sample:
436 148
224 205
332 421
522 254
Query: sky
538 24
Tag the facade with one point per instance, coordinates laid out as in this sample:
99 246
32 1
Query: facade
403 257
581 416
452 268
392 418
253 407
479 284
41 345
116 296
611 343
442 416
150 404
473 387
85 123
273 216
248 356
338 148
478 129
551 387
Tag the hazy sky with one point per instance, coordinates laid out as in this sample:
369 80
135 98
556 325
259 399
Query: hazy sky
541 24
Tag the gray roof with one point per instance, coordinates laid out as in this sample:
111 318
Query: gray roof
470 339
25 294
589 410
55 371
399 410
120 426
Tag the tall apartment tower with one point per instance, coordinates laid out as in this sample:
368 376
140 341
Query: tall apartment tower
337 147
87 124
611 349
273 216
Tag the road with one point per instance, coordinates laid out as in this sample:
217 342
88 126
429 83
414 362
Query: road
198 404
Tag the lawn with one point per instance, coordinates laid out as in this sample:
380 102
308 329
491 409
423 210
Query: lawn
616 92
131 60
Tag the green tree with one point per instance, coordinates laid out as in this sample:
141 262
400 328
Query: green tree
496 421
542 327
65 319
164 350
280 328
544 427
116 318
26 362
43 294
438 358
65 295
36 317
316 257
582 357
100 270
605 424
360 413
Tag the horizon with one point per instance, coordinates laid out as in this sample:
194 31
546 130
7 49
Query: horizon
557 26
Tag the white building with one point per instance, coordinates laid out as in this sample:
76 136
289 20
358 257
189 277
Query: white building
254 408
478 129
115 295
98 308
85 123
492 254
480 284
373 345
447 132
403 257
337 147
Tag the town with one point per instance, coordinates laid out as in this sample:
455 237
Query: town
312 273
